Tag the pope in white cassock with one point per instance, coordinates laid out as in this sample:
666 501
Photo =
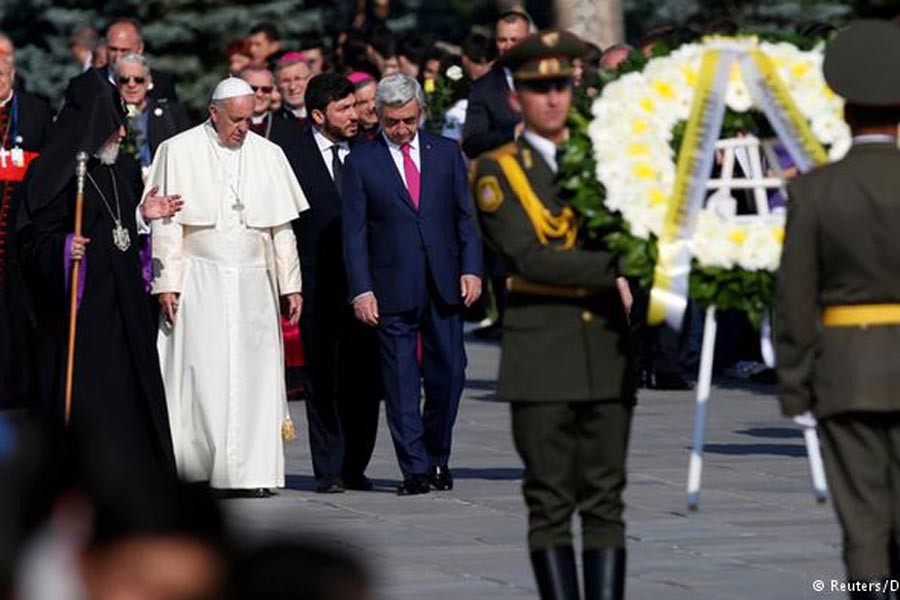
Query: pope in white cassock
220 267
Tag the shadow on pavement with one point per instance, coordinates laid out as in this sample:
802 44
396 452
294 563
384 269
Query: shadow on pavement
756 449
491 474
782 433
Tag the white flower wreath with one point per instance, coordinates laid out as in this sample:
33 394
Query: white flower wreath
632 130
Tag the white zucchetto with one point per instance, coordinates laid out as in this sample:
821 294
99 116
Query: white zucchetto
232 87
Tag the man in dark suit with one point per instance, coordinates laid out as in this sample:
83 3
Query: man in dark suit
413 256
291 76
343 405
490 120
838 319
490 123
151 121
123 36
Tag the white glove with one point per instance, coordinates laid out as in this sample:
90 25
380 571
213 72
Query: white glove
805 420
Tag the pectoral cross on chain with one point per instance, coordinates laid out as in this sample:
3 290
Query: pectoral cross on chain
239 207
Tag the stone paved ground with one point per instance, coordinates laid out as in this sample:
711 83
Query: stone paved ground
758 534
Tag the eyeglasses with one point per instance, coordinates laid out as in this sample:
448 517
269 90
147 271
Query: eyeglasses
545 86
266 89
123 80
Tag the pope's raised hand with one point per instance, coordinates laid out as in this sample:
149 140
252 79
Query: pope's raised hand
160 207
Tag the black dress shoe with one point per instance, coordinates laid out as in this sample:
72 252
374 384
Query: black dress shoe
359 483
330 485
674 383
414 485
229 494
441 479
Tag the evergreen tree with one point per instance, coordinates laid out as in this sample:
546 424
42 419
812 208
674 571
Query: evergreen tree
186 37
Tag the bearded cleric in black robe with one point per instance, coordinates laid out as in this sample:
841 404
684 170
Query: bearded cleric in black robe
118 403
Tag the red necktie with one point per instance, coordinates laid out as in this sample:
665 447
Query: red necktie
413 184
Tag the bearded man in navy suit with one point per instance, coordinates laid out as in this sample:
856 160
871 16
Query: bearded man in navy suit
413 258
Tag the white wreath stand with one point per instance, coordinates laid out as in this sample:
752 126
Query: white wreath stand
747 151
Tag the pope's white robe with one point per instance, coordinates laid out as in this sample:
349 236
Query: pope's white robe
223 360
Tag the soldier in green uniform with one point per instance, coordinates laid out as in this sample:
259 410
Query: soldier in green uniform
565 366
838 320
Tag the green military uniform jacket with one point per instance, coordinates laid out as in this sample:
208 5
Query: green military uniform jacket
842 247
565 335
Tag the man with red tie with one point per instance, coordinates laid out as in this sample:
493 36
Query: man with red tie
24 124
413 256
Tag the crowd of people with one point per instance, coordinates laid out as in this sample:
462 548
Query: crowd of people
330 197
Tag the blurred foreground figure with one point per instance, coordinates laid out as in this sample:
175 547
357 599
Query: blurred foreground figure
220 269
162 542
299 571
838 319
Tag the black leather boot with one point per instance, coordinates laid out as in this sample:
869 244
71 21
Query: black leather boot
555 573
604 574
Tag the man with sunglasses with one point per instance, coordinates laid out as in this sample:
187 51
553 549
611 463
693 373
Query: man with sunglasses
264 121
151 121
565 362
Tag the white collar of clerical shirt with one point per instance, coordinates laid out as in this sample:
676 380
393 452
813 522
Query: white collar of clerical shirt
325 144
6 101
546 148
257 119
413 145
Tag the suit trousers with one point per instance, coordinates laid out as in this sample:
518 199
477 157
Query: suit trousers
344 401
861 452
574 455
422 438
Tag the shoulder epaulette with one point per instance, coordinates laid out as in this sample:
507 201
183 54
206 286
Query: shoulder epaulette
508 149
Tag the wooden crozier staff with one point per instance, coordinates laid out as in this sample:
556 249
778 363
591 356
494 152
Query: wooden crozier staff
80 171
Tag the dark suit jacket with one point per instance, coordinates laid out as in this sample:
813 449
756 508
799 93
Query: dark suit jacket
841 247
35 119
490 121
390 248
165 119
318 229
286 128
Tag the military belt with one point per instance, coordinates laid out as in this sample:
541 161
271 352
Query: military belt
519 285
861 315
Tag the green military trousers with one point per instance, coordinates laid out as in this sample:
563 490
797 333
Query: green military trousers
574 455
861 452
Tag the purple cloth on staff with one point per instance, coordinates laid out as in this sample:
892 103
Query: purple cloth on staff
145 254
67 265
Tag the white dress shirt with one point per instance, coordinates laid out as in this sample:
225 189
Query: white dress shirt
509 78
325 145
546 148
397 155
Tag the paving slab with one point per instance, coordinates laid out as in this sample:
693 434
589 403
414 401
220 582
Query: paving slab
758 533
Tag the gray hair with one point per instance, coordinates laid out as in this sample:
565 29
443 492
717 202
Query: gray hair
135 59
396 90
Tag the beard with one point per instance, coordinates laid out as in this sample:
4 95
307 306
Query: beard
108 153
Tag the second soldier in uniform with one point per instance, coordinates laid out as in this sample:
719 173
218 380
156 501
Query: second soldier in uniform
565 365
